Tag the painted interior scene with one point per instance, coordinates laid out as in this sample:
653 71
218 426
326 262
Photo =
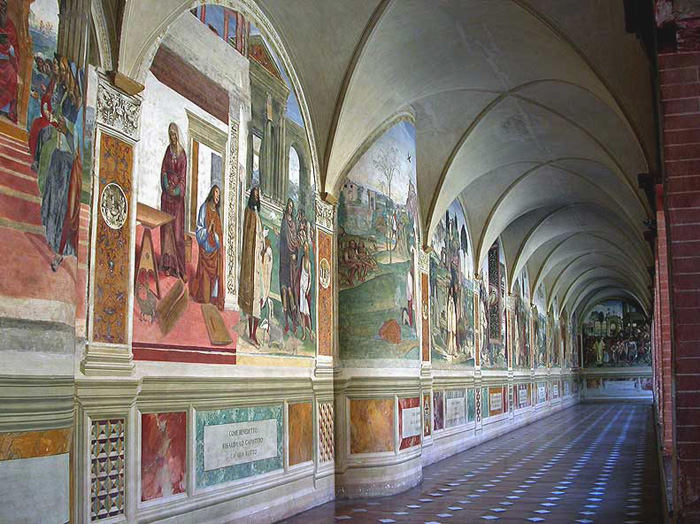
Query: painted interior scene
187 306
616 333
452 291
377 242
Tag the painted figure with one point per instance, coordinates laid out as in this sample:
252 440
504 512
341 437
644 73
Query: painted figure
60 205
208 283
599 347
305 286
9 64
288 248
173 180
408 311
47 78
251 289
451 322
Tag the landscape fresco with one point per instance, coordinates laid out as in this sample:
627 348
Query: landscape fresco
452 291
616 334
377 242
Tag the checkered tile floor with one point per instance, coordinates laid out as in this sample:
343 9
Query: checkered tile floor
587 464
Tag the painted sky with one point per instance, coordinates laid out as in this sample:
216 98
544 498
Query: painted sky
46 10
402 136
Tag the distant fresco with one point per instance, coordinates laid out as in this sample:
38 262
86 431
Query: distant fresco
539 327
619 387
452 291
493 350
377 240
574 342
521 327
553 341
616 334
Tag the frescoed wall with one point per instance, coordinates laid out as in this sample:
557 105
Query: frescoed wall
452 291
616 334
186 305
377 259
539 328
493 317
521 323
46 130
553 339
574 342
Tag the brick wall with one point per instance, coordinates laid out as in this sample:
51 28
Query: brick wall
662 310
680 98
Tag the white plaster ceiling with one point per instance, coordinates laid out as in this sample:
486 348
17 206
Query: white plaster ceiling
539 113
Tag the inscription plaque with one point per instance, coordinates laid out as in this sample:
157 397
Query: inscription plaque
411 422
496 401
231 444
456 411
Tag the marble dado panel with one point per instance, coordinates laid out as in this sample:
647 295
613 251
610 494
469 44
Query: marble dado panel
301 433
29 444
471 405
371 425
236 443
35 476
163 454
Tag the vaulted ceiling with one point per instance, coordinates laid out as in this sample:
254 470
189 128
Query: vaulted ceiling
538 113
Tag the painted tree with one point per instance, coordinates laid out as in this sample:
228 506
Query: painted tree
387 163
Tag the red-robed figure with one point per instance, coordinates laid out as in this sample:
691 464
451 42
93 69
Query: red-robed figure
9 64
173 179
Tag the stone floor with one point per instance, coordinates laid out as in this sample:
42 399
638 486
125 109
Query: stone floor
590 463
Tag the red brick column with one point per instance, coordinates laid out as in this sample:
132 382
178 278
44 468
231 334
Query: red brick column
663 318
680 96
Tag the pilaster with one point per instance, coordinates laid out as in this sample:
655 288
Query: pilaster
113 223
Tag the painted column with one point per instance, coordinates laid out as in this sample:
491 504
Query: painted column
325 412
479 327
113 223
425 336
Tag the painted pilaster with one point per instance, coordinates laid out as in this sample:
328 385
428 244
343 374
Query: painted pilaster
113 224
